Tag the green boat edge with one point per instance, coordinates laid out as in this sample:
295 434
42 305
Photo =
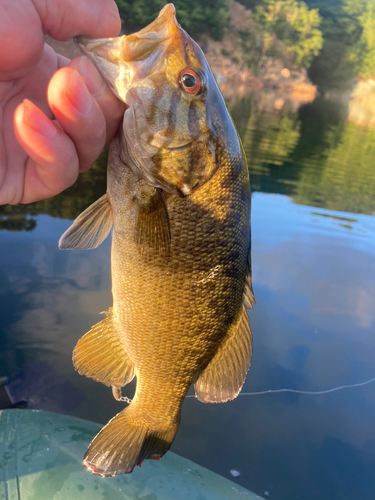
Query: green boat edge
41 456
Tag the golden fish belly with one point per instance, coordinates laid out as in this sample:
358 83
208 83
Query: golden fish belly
173 311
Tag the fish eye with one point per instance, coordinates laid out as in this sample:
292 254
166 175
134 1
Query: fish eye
190 81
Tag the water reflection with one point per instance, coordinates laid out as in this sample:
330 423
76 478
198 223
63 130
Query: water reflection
314 278
314 156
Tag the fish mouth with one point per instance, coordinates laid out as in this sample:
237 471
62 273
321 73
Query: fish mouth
98 46
124 59
137 45
160 30
105 54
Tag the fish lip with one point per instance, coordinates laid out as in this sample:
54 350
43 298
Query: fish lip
81 41
88 45
104 53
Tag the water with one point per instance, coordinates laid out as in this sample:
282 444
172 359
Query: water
313 180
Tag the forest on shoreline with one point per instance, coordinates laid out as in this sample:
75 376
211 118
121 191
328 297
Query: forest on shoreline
334 40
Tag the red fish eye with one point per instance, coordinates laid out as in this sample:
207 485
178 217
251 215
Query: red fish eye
190 81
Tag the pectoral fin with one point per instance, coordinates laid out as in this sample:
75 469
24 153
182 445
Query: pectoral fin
90 228
100 355
152 224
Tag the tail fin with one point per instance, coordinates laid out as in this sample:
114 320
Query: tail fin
125 442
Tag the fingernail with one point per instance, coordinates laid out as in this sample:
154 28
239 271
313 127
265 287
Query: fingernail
78 94
91 76
34 118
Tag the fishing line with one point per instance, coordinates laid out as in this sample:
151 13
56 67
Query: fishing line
295 391
310 393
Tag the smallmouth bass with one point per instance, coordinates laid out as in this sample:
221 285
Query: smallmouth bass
178 200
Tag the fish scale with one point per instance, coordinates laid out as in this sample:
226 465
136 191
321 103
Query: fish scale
178 198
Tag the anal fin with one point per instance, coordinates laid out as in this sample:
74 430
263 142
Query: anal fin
90 228
225 375
100 355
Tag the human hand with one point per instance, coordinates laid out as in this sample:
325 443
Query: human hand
64 123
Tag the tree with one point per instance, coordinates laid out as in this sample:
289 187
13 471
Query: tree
250 4
363 52
349 43
295 25
196 16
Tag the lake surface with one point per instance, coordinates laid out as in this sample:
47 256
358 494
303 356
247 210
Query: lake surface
313 239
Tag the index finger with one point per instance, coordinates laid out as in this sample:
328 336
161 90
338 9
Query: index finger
62 20
66 19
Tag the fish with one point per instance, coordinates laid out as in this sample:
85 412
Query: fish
178 204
